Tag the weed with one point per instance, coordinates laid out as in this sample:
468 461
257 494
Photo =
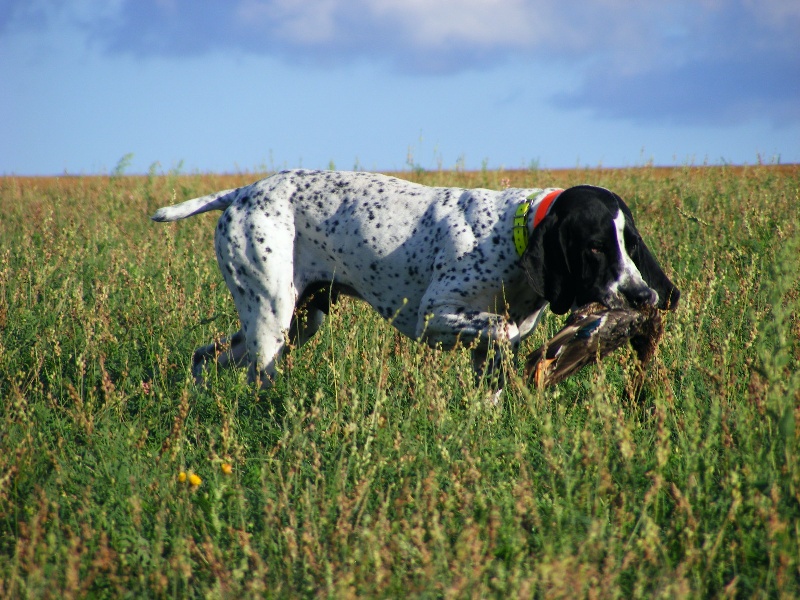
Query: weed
374 467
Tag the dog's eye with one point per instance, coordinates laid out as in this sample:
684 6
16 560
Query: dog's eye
596 249
632 241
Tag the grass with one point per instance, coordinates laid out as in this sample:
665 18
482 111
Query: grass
374 468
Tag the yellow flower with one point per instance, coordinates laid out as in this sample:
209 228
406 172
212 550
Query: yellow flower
195 480
182 476
226 468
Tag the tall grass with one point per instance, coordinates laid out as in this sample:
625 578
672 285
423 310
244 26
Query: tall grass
375 468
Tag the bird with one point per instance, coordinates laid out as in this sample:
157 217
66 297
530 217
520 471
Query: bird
591 333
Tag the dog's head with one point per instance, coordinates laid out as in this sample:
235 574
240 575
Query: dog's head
587 249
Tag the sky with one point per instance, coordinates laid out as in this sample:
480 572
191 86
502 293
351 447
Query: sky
231 86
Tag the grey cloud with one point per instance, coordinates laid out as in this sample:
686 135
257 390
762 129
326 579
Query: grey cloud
732 65
718 91
21 15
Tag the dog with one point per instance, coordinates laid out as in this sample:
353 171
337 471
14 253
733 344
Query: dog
444 265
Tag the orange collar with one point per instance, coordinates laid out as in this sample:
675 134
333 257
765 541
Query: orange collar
544 207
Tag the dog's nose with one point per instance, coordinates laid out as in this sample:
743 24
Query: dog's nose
641 296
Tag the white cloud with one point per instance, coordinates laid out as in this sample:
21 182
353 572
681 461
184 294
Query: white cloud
625 48
626 31
504 23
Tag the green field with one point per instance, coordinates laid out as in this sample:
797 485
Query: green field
374 467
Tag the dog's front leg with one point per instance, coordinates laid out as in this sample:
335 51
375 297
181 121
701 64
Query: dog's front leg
489 335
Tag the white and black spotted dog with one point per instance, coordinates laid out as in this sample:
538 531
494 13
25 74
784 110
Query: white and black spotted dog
444 264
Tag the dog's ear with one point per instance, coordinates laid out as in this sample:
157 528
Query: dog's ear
545 263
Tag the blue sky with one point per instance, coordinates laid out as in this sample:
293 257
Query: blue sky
246 85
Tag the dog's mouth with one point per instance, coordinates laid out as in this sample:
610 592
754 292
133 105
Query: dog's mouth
634 299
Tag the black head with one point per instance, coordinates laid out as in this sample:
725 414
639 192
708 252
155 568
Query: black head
587 249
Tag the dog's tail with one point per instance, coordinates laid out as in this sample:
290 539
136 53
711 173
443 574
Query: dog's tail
196 206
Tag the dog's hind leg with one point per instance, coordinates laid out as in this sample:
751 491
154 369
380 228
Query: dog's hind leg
227 353
306 322
312 307
257 262
266 319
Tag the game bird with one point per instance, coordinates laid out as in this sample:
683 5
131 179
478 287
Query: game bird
590 334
